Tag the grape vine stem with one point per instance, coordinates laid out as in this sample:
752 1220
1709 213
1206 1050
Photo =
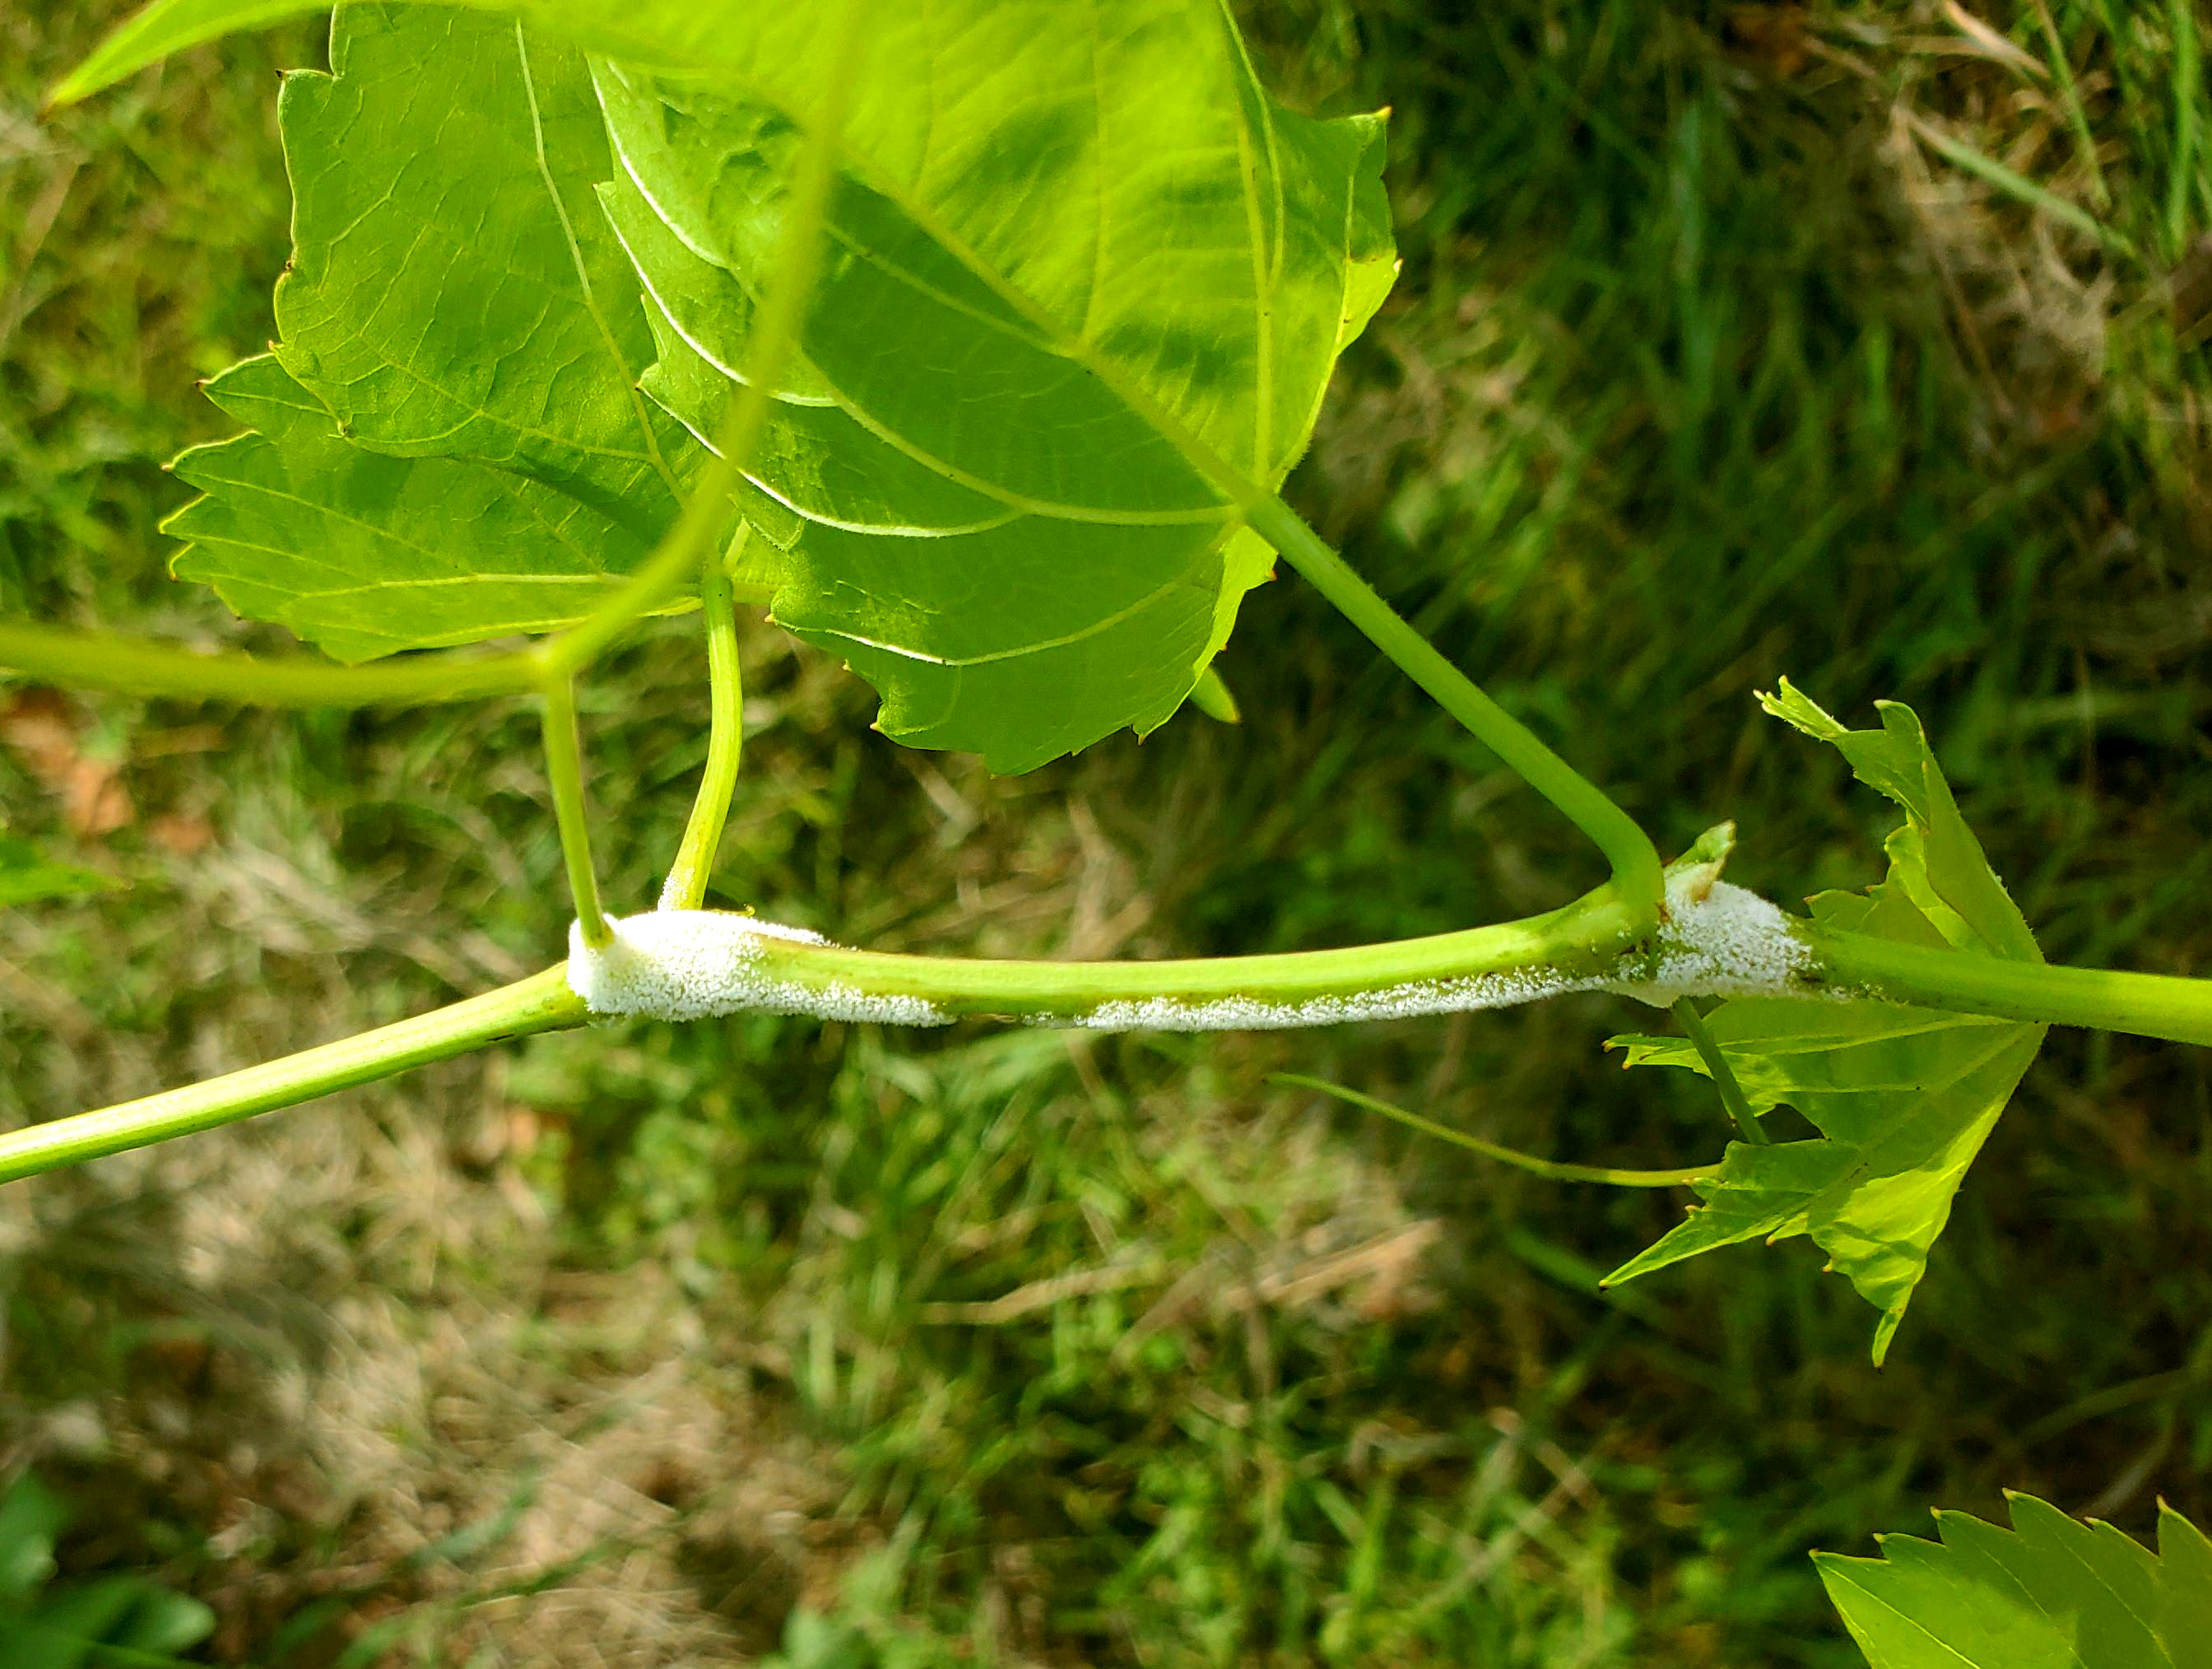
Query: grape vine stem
1583 938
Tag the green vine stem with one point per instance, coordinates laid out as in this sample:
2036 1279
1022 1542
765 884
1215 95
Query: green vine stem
1635 860
1586 935
1717 1065
541 1003
1583 940
2160 1005
564 773
123 666
726 733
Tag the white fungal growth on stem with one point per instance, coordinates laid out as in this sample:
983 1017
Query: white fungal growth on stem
1718 940
689 964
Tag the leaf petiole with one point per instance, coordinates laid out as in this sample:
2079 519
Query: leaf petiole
95 660
702 835
564 772
1635 860
1717 1065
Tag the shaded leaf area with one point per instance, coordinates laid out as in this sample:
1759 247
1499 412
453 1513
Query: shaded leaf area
1903 1097
2050 1592
448 443
1082 275
29 877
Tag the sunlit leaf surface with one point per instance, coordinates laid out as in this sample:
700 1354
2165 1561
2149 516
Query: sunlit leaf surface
2050 1592
1085 283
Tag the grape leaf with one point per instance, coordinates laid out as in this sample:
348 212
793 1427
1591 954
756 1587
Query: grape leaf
447 444
1086 280
364 553
26 876
2050 1592
1903 1097
453 290
1077 252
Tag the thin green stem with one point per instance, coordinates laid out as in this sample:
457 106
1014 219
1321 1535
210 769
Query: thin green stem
564 772
1584 936
775 336
1555 1170
1575 946
94 660
686 886
2143 1005
1581 941
541 1003
1724 1076
2188 100
1635 860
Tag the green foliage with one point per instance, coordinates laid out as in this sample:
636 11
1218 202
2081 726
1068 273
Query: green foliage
1903 1097
448 443
1928 580
109 1622
2050 1592
365 553
1112 296
1115 303
27 875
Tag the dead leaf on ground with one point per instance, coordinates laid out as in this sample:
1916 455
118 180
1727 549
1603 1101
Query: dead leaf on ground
41 728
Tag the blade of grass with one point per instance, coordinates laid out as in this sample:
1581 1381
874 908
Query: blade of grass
2078 117
2188 96
2020 187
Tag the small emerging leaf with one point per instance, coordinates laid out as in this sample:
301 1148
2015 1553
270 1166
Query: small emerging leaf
2050 1592
1903 1097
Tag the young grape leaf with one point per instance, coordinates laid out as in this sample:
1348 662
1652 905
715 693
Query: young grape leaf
448 443
26 876
1903 1097
1075 258
2050 1592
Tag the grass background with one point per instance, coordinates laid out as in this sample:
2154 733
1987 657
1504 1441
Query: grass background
1863 341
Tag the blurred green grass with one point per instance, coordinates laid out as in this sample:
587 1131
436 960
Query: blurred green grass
1733 340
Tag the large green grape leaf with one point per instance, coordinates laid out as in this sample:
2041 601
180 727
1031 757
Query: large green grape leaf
1078 254
448 443
1903 1097
1086 284
2050 1592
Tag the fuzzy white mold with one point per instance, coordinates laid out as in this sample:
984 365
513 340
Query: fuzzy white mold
1719 940
689 964
1397 1002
